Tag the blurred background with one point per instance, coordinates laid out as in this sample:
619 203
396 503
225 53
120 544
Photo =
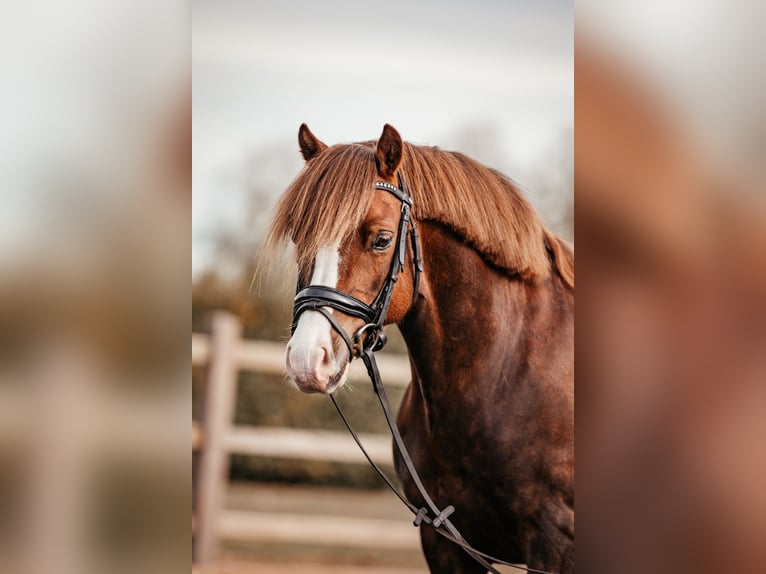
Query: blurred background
96 226
494 82
671 371
95 204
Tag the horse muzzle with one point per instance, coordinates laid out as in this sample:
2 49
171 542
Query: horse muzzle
313 364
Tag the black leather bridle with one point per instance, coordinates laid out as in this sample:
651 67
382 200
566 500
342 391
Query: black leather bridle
370 338
322 298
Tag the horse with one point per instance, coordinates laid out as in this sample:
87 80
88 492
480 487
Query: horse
488 418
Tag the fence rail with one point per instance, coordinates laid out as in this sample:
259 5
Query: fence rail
268 358
226 353
319 530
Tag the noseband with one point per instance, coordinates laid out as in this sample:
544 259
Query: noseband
322 298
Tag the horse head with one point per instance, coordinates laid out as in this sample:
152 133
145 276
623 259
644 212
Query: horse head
366 242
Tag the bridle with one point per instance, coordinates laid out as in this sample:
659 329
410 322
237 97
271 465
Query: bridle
370 338
320 297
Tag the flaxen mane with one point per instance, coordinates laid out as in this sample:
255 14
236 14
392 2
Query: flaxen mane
329 198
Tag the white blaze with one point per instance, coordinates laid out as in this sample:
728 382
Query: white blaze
313 332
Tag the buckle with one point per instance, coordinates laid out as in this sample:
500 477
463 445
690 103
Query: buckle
380 341
359 342
375 339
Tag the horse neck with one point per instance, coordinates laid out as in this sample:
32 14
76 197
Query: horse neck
469 321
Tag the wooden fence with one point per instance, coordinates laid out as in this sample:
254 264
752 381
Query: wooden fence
226 353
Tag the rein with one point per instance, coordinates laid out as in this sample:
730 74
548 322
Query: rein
364 343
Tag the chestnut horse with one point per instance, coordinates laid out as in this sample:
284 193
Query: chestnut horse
488 418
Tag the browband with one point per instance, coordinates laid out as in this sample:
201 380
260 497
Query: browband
400 194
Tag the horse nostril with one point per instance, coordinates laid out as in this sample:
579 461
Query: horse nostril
288 351
310 366
327 358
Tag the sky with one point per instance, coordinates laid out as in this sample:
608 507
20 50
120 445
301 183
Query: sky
443 73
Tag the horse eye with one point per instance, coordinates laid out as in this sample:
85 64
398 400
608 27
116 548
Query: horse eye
382 242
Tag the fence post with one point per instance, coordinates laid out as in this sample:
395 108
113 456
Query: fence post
220 393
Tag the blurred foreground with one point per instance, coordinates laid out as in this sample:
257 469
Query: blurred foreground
94 287
671 337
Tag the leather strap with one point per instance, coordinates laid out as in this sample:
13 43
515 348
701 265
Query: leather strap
399 192
335 325
417 260
438 519
316 296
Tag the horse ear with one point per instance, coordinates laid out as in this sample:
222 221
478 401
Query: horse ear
311 146
389 152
